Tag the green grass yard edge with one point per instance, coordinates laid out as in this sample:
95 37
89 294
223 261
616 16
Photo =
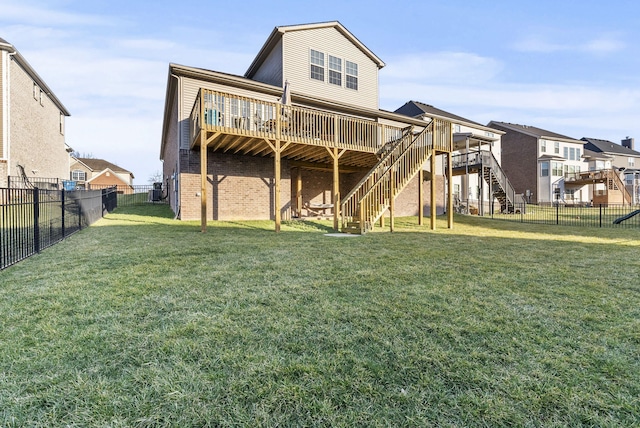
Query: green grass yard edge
141 320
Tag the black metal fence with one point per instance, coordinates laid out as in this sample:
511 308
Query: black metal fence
138 194
34 219
602 215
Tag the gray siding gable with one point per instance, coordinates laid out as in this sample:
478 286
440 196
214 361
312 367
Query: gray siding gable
270 71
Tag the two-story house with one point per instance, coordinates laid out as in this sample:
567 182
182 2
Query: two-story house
32 141
624 161
299 134
92 173
538 162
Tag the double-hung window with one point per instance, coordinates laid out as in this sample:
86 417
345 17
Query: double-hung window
544 169
352 75
78 175
317 65
335 70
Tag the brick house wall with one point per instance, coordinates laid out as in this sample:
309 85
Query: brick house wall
520 161
37 142
238 187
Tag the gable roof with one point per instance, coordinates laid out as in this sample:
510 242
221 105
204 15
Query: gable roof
276 36
114 176
417 108
534 131
22 62
101 165
604 146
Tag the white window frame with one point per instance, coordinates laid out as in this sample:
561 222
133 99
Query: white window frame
77 173
351 71
544 167
316 59
335 70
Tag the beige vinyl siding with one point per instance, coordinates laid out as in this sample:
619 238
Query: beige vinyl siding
190 89
270 71
297 50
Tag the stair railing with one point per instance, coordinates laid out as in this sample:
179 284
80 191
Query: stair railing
367 202
488 159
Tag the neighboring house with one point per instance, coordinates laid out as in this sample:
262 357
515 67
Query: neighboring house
299 134
90 173
478 180
538 162
623 159
32 141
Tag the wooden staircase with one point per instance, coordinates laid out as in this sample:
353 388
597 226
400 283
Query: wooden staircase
400 161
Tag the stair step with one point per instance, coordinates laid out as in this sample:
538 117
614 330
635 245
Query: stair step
352 230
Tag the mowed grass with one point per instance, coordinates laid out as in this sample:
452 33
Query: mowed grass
144 321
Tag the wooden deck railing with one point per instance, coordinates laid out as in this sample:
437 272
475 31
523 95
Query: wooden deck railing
243 116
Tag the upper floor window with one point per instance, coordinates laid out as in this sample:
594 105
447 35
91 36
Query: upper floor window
556 169
556 147
36 91
335 70
62 123
78 175
317 65
352 75
543 146
631 162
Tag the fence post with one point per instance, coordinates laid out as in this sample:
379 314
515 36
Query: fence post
79 214
557 213
62 210
600 215
36 220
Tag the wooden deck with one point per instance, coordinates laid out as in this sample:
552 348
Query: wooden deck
228 123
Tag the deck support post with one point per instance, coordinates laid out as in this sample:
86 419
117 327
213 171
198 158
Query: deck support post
420 197
277 185
299 193
336 154
203 182
392 201
336 190
277 148
433 190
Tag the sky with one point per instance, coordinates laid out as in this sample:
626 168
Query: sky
567 66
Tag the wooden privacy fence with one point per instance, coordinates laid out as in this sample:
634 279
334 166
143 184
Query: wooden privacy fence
34 219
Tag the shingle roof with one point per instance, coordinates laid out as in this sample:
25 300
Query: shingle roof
101 165
531 130
595 155
605 146
417 108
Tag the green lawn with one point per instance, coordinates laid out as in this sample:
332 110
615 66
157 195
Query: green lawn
144 321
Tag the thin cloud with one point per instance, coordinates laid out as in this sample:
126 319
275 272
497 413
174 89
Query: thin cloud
540 44
36 15
443 67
